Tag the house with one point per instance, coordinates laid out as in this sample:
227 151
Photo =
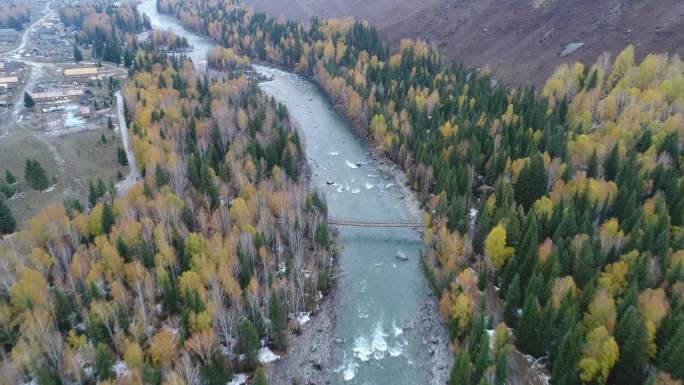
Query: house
49 39
80 71
8 81
47 96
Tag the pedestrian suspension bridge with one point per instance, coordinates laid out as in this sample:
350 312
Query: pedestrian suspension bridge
345 222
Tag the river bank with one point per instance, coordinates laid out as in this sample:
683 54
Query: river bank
379 325
311 361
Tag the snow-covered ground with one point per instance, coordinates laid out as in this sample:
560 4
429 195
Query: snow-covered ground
266 356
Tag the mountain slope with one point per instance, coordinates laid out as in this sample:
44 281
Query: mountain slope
520 41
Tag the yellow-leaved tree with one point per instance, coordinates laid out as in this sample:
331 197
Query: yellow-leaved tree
495 246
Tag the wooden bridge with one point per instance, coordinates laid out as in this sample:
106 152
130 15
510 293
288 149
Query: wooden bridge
344 222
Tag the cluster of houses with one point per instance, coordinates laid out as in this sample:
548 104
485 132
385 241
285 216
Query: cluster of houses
80 94
50 40
10 76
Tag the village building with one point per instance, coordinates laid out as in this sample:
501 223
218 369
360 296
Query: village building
69 94
80 71
8 81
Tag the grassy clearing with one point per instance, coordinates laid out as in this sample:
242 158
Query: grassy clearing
91 159
71 160
14 150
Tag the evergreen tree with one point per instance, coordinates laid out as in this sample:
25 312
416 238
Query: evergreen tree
482 358
7 190
460 372
501 370
260 377
161 176
564 370
248 343
592 166
278 314
531 183
673 353
28 100
7 222
35 175
92 194
630 334
100 188
78 56
9 177
110 124
108 218
121 157
512 303
526 335
103 362
612 164
216 372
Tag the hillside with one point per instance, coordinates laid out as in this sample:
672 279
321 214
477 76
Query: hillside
520 41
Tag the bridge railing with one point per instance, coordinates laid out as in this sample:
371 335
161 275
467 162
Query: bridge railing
345 222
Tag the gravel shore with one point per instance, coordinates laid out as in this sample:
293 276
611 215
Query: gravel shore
309 359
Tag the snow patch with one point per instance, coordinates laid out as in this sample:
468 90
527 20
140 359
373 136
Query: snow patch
238 379
303 318
572 47
267 356
490 334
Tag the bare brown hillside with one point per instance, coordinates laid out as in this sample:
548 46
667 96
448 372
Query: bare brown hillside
521 42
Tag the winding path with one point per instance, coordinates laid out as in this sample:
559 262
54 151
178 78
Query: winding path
134 174
31 74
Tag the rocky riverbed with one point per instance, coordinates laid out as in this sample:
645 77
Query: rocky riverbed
309 359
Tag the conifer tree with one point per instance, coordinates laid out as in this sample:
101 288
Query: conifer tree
461 372
103 362
673 353
612 164
568 355
526 335
9 177
278 314
216 372
78 56
108 218
7 222
260 377
531 183
248 342
592 166
630 334
28 100
35 175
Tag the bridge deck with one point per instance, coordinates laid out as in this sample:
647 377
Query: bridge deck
343 222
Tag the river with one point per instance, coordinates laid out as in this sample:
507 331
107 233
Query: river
379 300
